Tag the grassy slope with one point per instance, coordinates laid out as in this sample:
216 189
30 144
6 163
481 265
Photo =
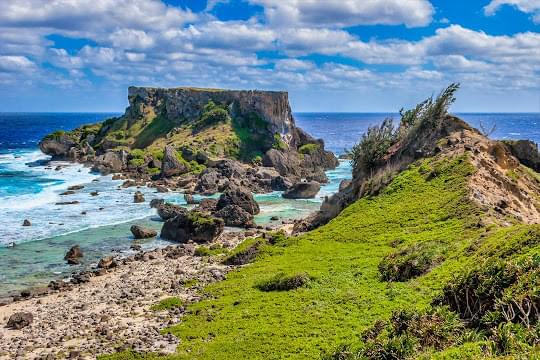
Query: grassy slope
347 296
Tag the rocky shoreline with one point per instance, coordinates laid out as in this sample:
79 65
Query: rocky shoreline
110 308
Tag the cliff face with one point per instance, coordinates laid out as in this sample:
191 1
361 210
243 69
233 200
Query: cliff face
183 105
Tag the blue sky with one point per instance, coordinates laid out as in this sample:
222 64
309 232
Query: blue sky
331 55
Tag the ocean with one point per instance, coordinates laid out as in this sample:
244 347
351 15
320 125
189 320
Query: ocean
30 189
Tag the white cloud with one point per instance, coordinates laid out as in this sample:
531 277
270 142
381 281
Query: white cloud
342 13
526 6
17 64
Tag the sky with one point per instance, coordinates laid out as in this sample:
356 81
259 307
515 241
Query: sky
330 55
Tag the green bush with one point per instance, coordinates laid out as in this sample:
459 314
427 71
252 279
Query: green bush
279 144
373 146
136 162
309 149
158 154
213 114
154 171
411 262
137 154
283 282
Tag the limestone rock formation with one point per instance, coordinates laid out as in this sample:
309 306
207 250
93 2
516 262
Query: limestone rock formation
240 197
170 165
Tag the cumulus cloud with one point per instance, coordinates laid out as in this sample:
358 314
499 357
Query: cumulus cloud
342 13
526 6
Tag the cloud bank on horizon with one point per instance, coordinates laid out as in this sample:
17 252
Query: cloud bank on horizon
331 55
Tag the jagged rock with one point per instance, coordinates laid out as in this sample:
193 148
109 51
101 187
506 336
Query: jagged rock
280 183
286 163
138 197
110 162
526 151
171 166
192 225
207 205
140 232
73 255
234 215
26 222
208 182
107 263
240 197
20 320
344 183
190 200
156 203
319 176
168 211
302 190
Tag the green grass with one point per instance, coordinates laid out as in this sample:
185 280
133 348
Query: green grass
166 304
426 208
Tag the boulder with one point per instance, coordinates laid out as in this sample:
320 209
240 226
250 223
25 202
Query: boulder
20 320
319 176
279 183
138 197
302 190
208 182
107 263
140 232
73 255
26 222
193 225
168 211
286 163
171 166
110 162
234 215
239 196
161 189
57 145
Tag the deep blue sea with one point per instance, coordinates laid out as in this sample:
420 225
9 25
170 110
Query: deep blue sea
30 189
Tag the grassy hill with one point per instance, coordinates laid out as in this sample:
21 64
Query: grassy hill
430 265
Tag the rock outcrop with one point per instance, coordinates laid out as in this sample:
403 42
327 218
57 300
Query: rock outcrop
171 166
140 232
240 197
193 225
73 255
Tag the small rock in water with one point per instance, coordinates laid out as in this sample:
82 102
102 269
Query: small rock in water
94 193
69 192
161 189
19 320
140 232
274 218
26 222
138 197
75 187
73 255
67 203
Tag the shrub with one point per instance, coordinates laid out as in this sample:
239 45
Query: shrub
136 162
410 262
208 251
279 144
137 154
167 304
497 290
309 149
213 114
154 171
283 282
157 154
369 152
